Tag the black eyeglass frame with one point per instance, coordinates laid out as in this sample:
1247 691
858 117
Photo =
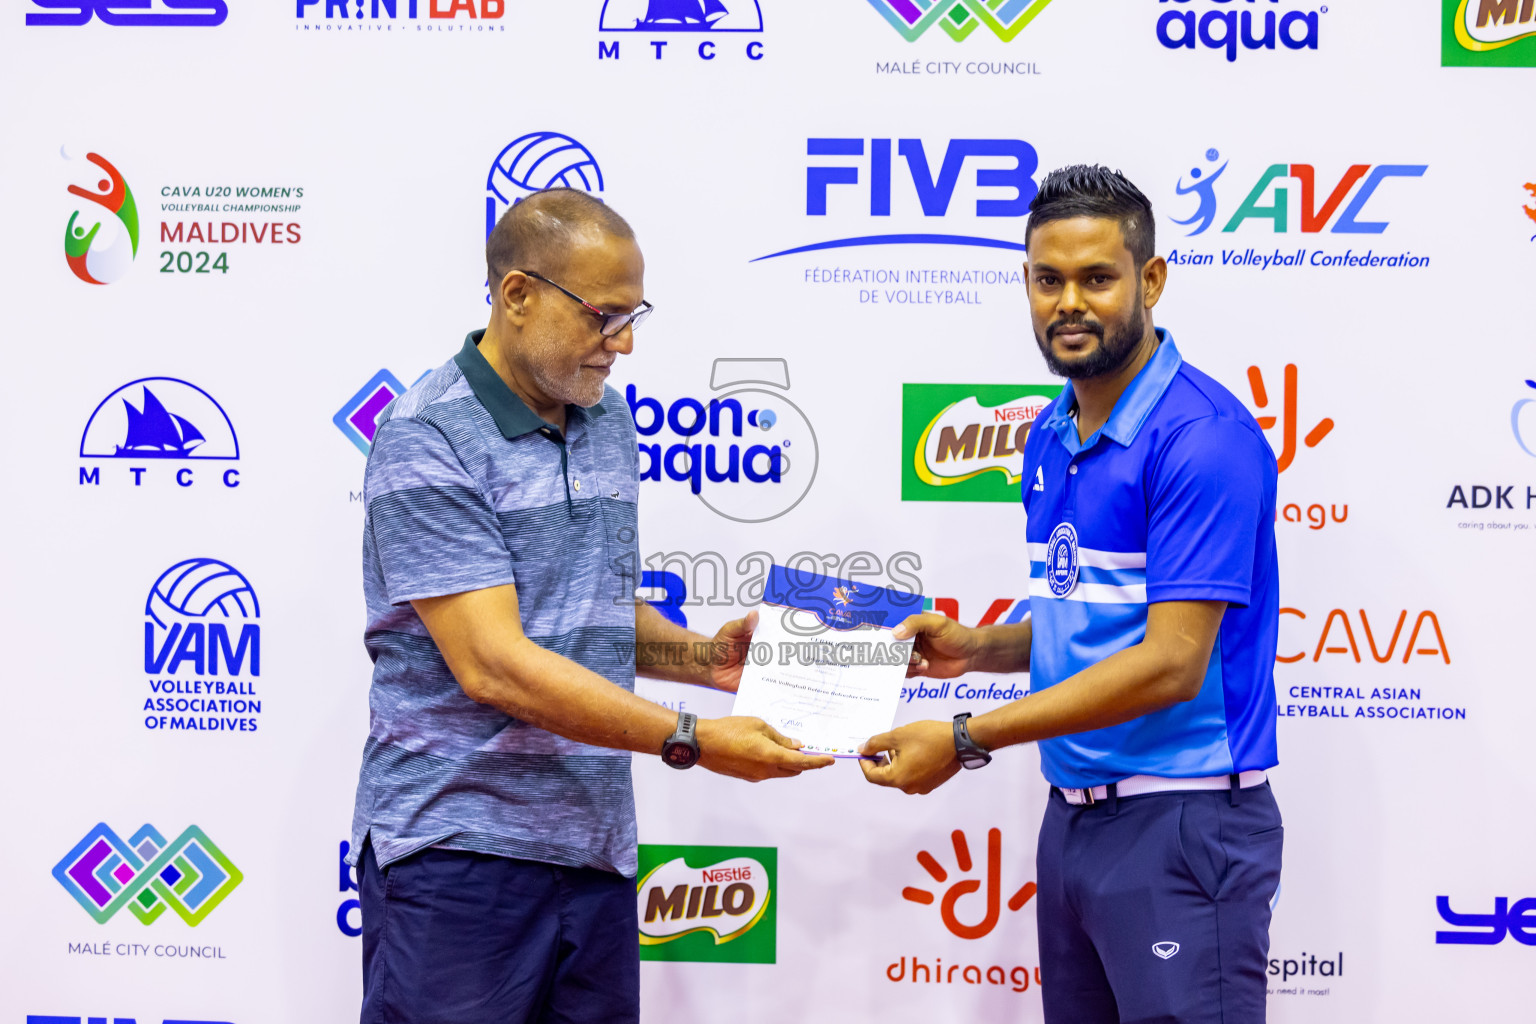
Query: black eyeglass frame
612 323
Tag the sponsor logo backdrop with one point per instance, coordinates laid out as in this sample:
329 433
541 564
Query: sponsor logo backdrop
272 216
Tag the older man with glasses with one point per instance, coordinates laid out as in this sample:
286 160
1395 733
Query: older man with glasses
495 827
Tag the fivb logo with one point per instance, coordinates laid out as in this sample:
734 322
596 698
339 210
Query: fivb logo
708 903
146 874
163 419
959 18
100 250
1223 27
1314 217
134 13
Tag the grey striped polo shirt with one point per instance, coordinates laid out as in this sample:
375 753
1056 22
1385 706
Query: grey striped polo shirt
466 488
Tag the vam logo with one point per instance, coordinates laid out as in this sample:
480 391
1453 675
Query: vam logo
533 162
1488 33
992 881
146 874
135 13
706 22
1222 28
959 18
170 421
965 442
202 677
708 903
98 250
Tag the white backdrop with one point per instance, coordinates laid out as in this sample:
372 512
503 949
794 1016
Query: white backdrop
390 128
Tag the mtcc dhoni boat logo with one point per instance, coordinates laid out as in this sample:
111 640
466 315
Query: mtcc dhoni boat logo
162 419
99 249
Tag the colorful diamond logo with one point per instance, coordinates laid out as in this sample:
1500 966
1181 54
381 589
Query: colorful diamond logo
959 18
359 418
146 874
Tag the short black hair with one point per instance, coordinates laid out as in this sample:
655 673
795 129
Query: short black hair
538 232
1085 190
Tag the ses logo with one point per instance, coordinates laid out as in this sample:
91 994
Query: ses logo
202 649
385 15
146 874
1488 33
1223 26
168 424
708 903
99 250
1510 919
1341 212
1005 19
33 1018
136 13
965 442
749 455
705 26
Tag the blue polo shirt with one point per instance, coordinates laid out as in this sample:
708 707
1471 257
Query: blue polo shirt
1172 500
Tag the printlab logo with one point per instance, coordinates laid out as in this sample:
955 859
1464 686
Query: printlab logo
171 421
1525 432
1225 30
384 15
1510 919
965 442
1287 417
533 162
708 903
992 897
99 250
1488 33
713 451
959 18
709 22
172 13
202 678
146 874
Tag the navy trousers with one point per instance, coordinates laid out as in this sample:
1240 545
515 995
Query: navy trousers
1155 909
451 937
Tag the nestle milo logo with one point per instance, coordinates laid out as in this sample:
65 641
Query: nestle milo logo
965 442
710 903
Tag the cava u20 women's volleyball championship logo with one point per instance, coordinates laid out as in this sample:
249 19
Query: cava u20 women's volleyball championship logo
100 250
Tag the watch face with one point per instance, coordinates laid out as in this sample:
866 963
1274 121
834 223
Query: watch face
971 759
680 755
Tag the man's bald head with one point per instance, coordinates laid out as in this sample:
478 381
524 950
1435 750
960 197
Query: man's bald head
540 232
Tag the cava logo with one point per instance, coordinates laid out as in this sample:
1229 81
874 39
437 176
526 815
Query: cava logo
959 18
708 903
1488 33
100 250
170 421
965 442
146 874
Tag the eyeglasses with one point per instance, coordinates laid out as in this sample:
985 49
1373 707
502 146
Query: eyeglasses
612 323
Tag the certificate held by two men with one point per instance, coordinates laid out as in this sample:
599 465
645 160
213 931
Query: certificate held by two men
824 667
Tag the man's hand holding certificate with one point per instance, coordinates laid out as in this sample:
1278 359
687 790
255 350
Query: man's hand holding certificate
833 670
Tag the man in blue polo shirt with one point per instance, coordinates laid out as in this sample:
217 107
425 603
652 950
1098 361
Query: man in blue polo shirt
494 831
1154 601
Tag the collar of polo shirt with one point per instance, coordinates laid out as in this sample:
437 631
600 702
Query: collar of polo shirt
512 415
1133 408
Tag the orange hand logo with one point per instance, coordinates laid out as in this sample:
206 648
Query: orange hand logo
1530 211
967 886
1288 405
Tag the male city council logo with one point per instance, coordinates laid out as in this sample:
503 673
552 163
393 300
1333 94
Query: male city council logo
1488 33
1061 560
681 16
159 418
708 903
190 875
100 249
358 420
959 18
536 161
965 442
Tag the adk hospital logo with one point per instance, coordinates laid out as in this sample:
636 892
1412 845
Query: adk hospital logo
100 249
957 19
159 429
708 903
1488 33
146 874
202 649
702 29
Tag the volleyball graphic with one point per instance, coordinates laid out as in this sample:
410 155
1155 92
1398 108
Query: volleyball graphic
543 160
198 588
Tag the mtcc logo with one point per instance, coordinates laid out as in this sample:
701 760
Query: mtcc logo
146 874
172 421
1316 212
172 13
1224 27
705 22
717 452
534 162
992 902
1522 419
959 18
99 250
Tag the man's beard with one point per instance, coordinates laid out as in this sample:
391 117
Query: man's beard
1108 356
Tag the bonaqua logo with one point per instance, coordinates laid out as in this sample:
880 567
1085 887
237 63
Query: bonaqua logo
146 874
959 18
1224 26
100 251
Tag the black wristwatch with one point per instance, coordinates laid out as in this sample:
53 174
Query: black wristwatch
681 750
970 753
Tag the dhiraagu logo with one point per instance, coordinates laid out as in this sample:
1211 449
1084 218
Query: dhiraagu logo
1488 33
708 903
965 442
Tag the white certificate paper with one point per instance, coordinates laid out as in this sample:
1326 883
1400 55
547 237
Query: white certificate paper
824 668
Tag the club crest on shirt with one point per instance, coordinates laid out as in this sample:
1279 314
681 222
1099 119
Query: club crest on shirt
1061 560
